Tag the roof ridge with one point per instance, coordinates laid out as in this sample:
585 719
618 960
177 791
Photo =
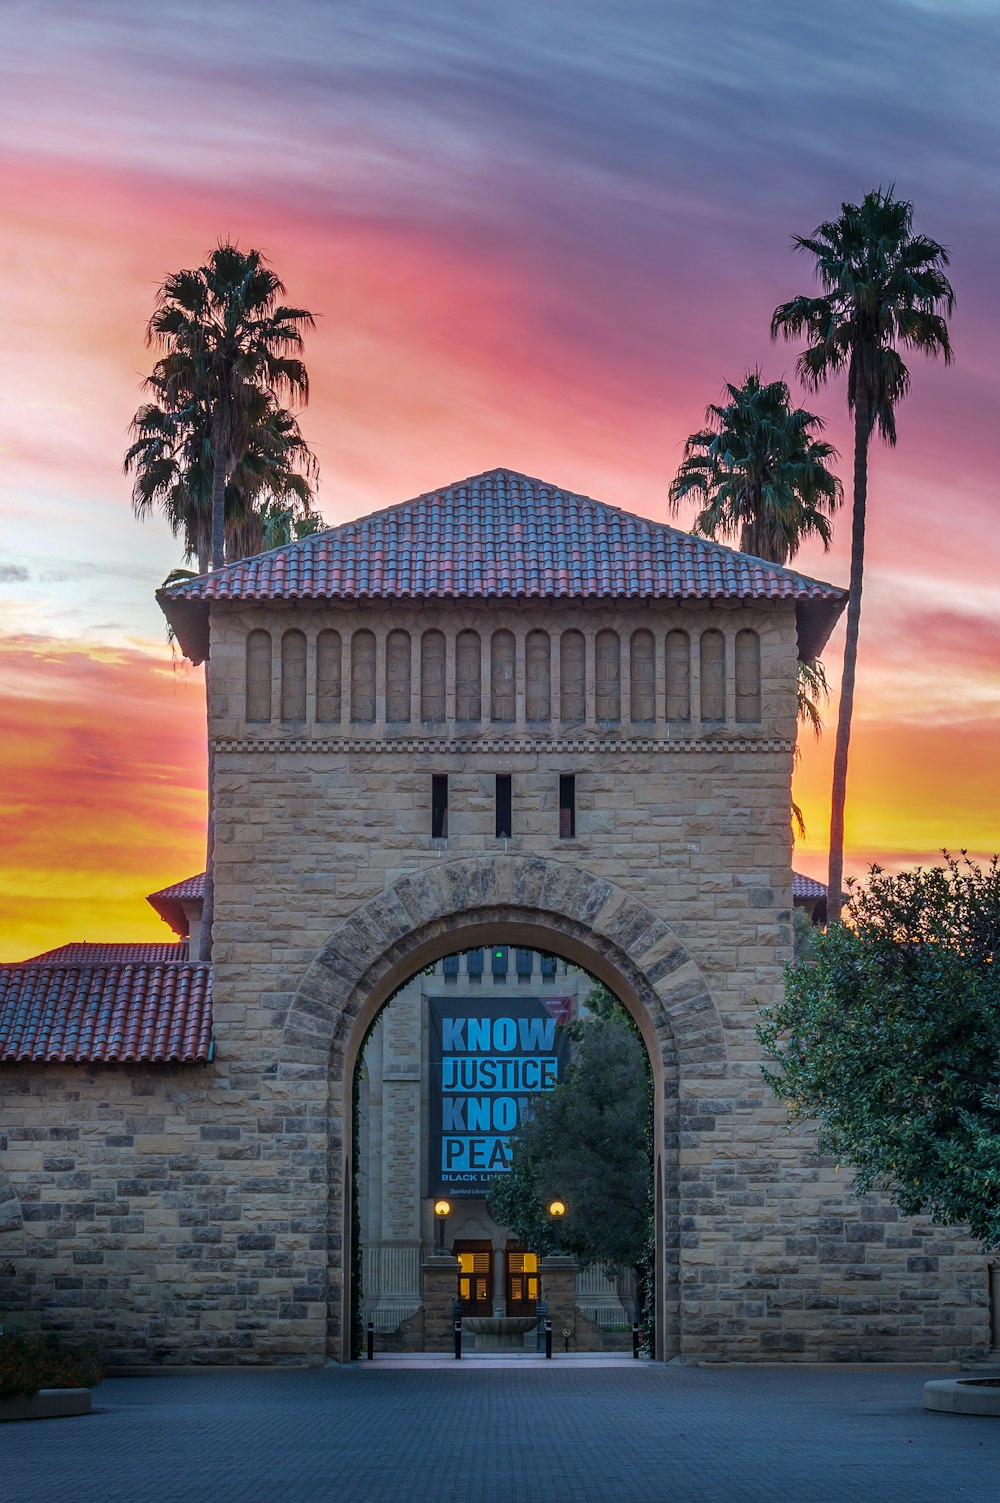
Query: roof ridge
87 951
169 886
709 546
501 535
368 516
102 965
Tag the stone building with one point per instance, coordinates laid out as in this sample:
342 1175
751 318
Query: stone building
498 714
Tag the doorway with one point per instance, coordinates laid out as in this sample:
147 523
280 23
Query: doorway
521 1277
475 1278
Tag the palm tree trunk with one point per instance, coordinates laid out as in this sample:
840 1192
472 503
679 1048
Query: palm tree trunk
218 560
862 435
218 496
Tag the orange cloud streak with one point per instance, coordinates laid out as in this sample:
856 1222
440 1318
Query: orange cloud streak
912 791
102 799
439 353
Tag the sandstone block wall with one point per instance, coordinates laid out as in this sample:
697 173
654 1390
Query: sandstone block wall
199 1215
168 1214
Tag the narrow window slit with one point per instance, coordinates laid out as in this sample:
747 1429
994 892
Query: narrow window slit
504 802
439 806
567 805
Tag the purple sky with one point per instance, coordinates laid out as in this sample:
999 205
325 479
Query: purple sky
536 235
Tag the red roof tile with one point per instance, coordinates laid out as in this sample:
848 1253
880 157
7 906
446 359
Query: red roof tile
191 887
807 887
112 1014
500 536
85 953
169 901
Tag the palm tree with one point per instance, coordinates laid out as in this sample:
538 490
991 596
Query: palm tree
764 480
277 471
228 344
760 471
227 340
172 462
882 284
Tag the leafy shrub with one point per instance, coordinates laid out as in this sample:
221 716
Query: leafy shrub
28 1363
889 1040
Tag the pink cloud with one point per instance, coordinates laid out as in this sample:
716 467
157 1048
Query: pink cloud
103 797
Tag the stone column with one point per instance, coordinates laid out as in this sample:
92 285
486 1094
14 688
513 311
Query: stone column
559 1290
440 1285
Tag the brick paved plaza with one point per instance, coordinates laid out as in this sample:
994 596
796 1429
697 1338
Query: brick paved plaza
485 1434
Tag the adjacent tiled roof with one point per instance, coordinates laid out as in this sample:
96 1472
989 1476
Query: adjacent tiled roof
85 953
501 536
111 1014
169 901
807 887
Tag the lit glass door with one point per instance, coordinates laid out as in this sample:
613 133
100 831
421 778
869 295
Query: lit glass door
475 1278
522 1280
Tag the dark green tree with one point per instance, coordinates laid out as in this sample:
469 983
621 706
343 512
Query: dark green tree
273 482
765 481
226 340
889 1038
760 472
227 343
882 286
286 524
589 1142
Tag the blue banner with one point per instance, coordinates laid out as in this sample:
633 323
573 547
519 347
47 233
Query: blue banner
486 1063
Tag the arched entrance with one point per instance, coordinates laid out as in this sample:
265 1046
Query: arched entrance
525 901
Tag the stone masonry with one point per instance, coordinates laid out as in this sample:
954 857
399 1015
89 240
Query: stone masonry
201 1214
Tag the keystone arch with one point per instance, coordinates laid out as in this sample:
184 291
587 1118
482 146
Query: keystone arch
535 903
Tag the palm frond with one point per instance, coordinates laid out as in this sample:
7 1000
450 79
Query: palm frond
760 472
812 690
228 350
881 283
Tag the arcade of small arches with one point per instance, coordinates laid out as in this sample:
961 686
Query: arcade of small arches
331 676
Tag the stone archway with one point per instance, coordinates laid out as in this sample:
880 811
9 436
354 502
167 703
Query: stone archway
529 901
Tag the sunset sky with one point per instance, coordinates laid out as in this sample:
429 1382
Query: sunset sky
536 235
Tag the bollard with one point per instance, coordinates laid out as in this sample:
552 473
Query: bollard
548 1338
635 1339
543 1310
371 1341
458 1337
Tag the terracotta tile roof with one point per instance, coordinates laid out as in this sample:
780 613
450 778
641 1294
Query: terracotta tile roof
500 536
191 887
169 901
84 953
112 1014
807 887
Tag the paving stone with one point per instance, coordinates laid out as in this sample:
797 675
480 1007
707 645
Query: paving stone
567 1431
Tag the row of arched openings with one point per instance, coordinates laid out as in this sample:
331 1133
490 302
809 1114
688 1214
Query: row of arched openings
498 668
